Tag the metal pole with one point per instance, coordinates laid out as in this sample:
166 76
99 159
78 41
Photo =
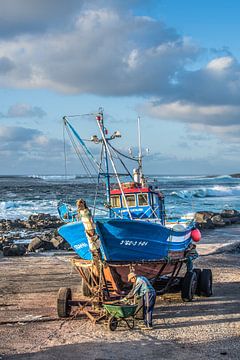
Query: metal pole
114 167
107 176
139 149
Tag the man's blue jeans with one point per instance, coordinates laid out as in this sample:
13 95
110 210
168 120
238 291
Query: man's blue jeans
148 305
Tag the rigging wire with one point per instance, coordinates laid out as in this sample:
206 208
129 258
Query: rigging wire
98 181
65 154
126 156
79 155
81 142
99 171
121 161
114 167
80 115
83 162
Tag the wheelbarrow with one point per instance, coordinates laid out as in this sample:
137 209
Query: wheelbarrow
118 313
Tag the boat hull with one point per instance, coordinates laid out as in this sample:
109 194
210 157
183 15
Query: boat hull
128 240
116 274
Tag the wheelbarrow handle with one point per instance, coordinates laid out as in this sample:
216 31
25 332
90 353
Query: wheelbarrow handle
120 302
112 302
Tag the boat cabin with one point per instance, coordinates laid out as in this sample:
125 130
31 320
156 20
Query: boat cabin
143 202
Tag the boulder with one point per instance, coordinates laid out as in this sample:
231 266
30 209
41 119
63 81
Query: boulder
57 241
36 243
217 220
230 213
14 250
208 224
234 220
202 216
203 219
47 245
4 242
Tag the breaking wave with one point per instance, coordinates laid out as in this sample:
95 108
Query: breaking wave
53 177
23 209
216 191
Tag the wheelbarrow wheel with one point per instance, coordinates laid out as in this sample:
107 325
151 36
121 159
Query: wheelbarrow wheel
63 308
112 323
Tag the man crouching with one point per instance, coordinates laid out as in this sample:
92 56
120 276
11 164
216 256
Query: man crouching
143 289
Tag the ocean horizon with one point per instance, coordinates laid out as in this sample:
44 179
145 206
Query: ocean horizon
24 195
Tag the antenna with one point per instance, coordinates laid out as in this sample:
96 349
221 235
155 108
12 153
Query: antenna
139 148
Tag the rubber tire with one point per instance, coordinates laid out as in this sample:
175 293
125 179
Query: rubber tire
189 285
112 323
206 283
64 295
198 273
84 288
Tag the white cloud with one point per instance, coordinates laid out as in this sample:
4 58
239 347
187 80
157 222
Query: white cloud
221 120
104 53
17 134
220 63
102 48
35 16
28 143
194 113
23 111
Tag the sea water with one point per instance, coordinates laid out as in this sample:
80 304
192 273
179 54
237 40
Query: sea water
22 196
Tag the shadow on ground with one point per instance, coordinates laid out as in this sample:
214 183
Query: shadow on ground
150 348
222 307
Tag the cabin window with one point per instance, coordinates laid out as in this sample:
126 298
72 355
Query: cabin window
131 200
115 201
142 199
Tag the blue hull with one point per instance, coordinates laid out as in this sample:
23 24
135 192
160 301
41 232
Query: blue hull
128 240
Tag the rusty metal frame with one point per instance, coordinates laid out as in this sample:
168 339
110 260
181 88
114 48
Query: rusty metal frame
92 307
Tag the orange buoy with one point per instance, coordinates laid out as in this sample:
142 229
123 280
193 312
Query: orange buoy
196 235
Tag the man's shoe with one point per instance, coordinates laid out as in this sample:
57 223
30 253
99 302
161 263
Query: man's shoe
147 328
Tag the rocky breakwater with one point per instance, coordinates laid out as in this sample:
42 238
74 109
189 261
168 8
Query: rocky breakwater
37 233
211 220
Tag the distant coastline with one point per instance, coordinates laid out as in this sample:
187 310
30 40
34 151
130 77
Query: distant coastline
83 176
235 175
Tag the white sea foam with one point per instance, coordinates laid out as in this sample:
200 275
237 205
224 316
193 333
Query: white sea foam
215 191
23 209
54 177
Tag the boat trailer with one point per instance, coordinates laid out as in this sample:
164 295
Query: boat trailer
104 284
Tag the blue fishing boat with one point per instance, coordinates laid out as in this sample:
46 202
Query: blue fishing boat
134 228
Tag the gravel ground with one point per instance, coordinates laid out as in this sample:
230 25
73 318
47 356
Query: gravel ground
207 328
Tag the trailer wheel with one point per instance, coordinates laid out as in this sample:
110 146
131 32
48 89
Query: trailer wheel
206 282
85 289
63 308
198 288
112 323
189 285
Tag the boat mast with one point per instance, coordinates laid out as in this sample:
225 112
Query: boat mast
107 176
139 150
107 151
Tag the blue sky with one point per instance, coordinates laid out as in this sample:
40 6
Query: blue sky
173 63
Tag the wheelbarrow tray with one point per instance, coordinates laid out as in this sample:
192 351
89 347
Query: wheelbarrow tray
120 311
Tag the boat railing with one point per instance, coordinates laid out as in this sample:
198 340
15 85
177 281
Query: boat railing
152 210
